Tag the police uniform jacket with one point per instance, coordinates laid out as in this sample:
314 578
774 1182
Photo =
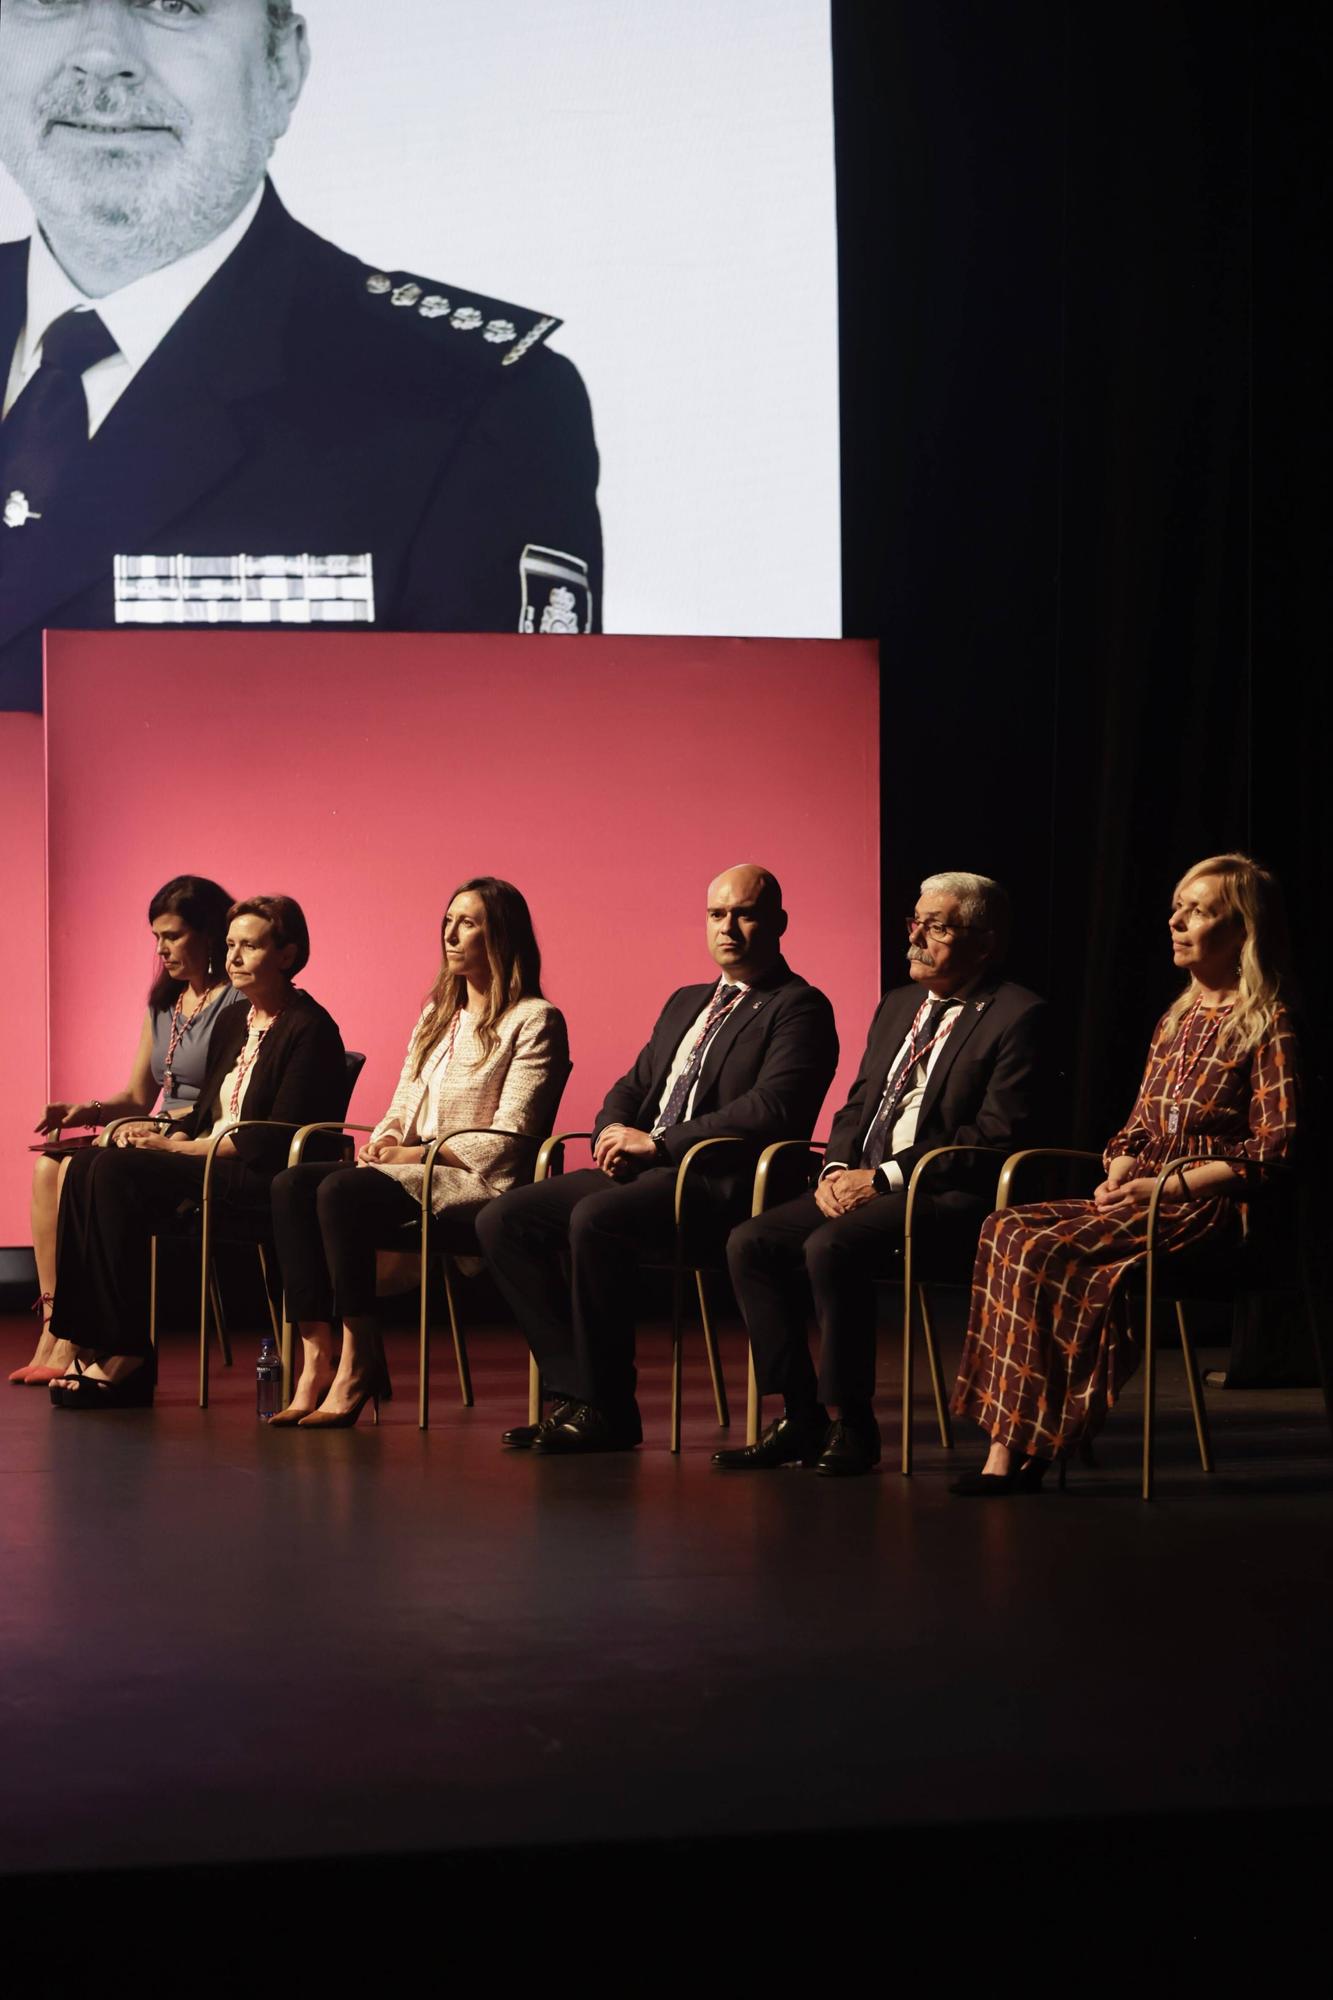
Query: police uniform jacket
308 404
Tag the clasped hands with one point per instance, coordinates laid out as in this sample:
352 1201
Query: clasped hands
389 1151
1122 1191
845 1189
617 1146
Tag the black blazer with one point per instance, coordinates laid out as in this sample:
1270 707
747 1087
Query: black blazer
982 1091
300 1075
764 1076
305 403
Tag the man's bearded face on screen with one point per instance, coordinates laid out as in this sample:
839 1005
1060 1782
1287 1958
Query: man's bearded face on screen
144 124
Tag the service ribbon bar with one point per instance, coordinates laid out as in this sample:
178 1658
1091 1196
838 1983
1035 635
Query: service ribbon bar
244 590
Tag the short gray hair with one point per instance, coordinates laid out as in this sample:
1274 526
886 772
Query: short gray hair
983 904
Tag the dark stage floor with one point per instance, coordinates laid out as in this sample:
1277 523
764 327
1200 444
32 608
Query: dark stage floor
280 1645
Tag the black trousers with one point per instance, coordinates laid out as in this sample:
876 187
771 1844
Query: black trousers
565 1253
328 1222
794 1260
115 1199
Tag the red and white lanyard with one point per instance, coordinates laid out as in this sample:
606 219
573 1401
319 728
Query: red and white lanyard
180 1028
907 1067
245 1062
1182 1070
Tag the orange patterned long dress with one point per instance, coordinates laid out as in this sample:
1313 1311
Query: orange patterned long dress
1048 1345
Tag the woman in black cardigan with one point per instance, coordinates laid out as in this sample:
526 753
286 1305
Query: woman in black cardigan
280 1058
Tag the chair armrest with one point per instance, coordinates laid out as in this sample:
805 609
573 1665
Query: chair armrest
700 1147
1015 1161
937 1153
296 1152
1155 1198
236 1125
764 1167
549 1148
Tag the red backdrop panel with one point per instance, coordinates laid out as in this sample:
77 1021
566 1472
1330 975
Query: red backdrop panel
610 778
22 977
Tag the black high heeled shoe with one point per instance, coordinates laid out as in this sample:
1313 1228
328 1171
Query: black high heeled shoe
81 1391
1024 1477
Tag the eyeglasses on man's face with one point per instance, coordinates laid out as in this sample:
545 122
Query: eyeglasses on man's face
937 932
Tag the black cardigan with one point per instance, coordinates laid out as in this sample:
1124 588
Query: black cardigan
300 1076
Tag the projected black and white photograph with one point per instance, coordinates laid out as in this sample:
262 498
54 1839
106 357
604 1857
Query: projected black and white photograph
429 318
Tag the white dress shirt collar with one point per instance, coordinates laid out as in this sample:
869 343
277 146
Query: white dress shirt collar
138 317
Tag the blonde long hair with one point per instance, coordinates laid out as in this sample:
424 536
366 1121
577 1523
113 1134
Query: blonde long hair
515 962
1251 893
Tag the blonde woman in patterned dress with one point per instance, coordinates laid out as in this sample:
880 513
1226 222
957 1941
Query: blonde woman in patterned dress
487 1050
1048 1346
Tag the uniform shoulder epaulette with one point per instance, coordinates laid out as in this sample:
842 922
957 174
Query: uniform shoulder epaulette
507 331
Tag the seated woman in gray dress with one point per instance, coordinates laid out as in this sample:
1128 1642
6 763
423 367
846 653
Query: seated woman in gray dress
277 1062
188 920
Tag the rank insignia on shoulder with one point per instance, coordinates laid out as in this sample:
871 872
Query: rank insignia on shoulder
500 325
556 593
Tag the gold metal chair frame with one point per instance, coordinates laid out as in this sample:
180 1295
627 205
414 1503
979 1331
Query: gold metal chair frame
678 1268
1197 1408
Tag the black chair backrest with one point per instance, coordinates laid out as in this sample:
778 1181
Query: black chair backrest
356 1062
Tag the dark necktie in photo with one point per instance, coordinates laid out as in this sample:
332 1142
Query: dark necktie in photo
45 435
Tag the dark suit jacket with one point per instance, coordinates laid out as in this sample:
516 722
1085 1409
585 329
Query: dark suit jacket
982 1091
300 1075
764 1076
295 408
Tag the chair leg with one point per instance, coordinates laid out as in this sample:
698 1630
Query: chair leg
534 1391
152 1293
720 1403
205 1294
287 1346
219 1318
423 1359
677 1314
1196 1392
460 1347
275 1317
754 1405
1149 1393
936 1378
907 1378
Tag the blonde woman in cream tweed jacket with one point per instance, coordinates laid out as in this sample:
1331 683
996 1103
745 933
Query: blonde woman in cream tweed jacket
517 1088
487 1050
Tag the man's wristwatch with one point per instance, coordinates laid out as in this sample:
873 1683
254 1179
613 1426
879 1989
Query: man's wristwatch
880 1177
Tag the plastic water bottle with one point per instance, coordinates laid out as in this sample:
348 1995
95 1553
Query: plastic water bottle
268 1379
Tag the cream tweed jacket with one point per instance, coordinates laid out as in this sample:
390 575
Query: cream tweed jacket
518 1087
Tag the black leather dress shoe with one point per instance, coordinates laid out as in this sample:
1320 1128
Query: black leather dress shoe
581 1428
849 1449
522 1437
787 1441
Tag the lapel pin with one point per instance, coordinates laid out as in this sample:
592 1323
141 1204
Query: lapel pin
18 512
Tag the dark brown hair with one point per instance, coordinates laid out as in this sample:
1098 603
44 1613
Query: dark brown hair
203 906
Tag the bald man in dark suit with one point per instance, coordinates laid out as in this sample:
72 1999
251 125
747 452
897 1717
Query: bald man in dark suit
751 1054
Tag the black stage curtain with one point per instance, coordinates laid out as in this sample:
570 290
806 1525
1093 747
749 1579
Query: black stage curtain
1085 424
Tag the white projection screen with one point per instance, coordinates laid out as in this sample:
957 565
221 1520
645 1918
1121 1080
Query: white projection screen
660 175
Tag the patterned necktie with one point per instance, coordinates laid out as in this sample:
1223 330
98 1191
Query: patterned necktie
725 998
46 433
877 1138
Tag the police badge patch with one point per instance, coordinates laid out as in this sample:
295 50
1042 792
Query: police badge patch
556 594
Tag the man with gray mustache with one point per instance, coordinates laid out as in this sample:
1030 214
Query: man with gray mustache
189 375
953 1058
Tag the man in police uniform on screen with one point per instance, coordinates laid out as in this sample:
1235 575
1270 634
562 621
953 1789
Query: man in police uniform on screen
213 416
